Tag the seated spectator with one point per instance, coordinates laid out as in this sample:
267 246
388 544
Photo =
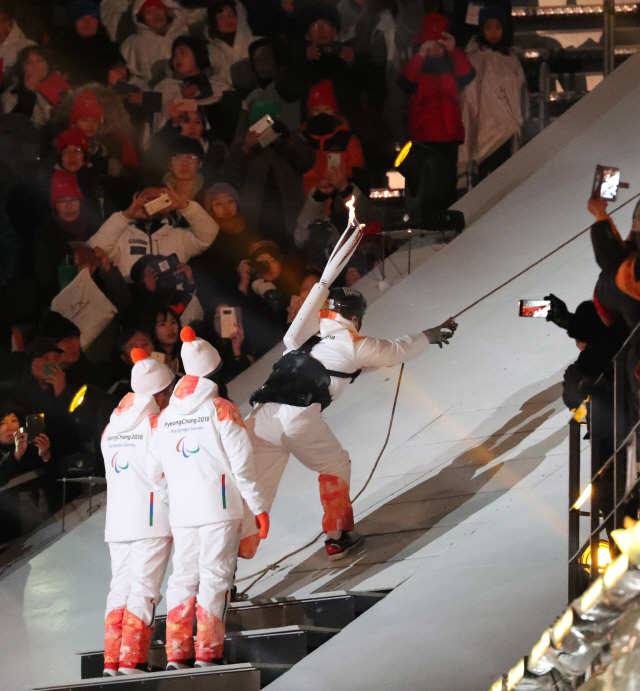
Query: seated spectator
130 339
262 277
267 61
215 269
31 70
191 75
228 47
324 216
158 23
491 104
164 326
83 48
189 124
321 57
184 169
433 79
69 222
269 181
310 277
128 235
334 143
12 41
17 458
153 291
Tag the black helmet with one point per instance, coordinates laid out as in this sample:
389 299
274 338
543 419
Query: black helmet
347 302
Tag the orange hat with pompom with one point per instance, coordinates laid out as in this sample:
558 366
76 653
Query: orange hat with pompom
148 376
200 359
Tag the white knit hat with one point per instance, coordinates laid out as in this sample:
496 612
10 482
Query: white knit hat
148 376
199 358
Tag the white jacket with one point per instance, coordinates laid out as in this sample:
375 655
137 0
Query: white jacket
125 243
133 512
171 88
147 53
202 453
222 56
12 45
344 350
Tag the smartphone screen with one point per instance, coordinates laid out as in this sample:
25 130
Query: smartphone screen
606 183
35 426
534 308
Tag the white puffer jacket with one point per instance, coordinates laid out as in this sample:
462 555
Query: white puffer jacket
11 46
125 243
133 511
202 454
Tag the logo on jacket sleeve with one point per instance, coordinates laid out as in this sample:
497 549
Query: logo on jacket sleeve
181 448
117 465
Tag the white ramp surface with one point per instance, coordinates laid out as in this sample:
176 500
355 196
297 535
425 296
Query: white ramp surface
466 514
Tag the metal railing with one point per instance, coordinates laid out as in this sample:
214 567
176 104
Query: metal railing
611 416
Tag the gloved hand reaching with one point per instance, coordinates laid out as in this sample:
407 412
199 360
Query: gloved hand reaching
262 522
441 334
558 313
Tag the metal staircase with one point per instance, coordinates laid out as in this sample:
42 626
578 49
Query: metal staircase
264 638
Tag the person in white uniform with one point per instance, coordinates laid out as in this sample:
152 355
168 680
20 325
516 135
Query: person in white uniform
137 526
202 454
287 416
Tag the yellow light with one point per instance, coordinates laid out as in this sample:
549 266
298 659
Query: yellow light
586 493
77 399
604 557
497 686
539 649
562 627
591 595
615 570
403 154
581 412
515 675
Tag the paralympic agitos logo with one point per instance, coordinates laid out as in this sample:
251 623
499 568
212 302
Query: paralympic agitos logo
181 448
118 466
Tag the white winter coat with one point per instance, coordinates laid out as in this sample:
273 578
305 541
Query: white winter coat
125 243
11 46
133 512
171 88
344 350
491 103
202 454
147 53
222 56
41 113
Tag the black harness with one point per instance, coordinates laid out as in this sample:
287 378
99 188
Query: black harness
299 379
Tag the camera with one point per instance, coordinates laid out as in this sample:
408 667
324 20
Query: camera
333 48
259 267
165 268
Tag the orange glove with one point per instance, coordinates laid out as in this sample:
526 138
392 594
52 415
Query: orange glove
262 521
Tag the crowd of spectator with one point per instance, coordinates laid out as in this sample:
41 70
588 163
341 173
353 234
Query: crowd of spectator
110 105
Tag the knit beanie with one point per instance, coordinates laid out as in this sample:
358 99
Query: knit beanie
220 188
64 184
322 95
74 136
148 376
433 25
86 105
200 359
262 107
83 8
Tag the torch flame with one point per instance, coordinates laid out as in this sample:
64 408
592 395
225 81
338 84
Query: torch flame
351 205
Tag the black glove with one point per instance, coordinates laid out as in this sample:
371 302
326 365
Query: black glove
280 128
558 313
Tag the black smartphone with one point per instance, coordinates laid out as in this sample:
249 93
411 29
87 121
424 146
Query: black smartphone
606 183
34 426
534 308
260 267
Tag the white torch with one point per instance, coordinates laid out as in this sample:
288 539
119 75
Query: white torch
307 322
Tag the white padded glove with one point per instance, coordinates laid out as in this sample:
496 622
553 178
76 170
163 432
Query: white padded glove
261 287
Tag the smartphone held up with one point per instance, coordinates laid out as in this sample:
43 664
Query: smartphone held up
606 183
534 308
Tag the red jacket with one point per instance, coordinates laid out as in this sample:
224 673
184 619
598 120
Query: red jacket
433 111
341 141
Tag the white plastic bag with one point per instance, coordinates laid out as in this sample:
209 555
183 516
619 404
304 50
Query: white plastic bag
86 306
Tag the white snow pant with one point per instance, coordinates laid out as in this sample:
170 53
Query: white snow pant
204 563
137 570
278 430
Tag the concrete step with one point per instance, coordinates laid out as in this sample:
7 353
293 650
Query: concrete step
241 677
